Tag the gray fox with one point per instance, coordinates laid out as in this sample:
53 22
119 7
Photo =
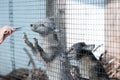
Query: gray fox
49 48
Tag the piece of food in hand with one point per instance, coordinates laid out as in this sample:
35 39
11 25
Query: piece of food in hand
4 32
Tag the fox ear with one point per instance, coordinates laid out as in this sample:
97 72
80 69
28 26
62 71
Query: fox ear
89 47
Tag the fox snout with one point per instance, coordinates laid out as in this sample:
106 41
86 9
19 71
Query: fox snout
31 25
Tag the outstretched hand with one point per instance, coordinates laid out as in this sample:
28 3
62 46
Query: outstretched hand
4 32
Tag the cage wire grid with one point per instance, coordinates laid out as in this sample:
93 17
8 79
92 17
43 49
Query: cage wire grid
86 35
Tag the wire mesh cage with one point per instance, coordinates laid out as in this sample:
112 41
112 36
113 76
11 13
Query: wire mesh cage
60 40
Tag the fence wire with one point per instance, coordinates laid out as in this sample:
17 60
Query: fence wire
60 40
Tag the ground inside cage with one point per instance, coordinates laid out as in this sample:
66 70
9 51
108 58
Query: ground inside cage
25 74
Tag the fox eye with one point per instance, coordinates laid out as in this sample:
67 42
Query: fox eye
72 48
42 25
54 28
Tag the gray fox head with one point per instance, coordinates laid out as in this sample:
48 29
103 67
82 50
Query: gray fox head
80 49
44 26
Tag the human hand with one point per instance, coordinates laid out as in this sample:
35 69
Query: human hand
4 32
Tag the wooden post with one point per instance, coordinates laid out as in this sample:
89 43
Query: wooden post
112 26
49 8
56 8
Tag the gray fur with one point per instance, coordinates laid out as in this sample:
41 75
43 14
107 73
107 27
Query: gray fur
89 66
49 48
44 27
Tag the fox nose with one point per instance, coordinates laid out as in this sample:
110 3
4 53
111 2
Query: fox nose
31 25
